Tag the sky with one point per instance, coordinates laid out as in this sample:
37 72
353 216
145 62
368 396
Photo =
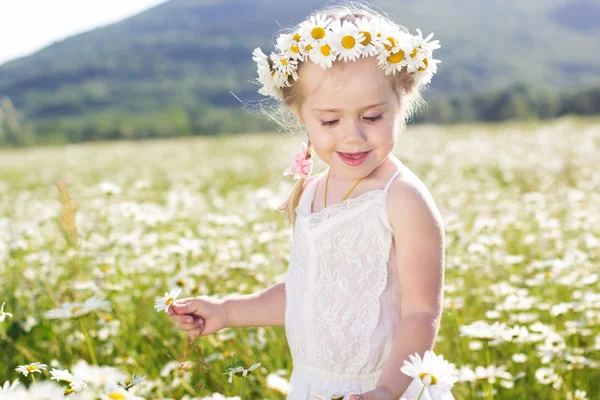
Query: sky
30 25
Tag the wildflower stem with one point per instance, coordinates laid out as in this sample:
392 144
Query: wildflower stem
421 394
33 377
88 341
490 388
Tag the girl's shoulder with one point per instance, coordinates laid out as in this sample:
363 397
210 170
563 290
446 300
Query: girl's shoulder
409 196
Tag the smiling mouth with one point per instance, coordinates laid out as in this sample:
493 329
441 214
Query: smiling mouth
353 155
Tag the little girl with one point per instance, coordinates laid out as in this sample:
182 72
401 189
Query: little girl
364 286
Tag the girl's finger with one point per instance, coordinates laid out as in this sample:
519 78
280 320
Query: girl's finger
185 319
194 326
193 334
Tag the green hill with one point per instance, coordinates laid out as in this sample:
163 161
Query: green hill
170 69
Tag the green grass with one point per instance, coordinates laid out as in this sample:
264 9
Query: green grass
504 190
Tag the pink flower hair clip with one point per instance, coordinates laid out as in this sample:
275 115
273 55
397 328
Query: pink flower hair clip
302 164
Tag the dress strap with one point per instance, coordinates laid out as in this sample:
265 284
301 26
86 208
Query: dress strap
389 183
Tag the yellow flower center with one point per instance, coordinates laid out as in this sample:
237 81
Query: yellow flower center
283 61
105 268
75 309
414 53
433 380
348 42
31 368
547 275
393 41
367 38
295 48
309 47
396 58
69 391
116 396
426 65
180 282
326 50
296 37
109 318
318 32
169 301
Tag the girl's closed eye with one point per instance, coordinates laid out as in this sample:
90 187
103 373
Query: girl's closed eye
333 122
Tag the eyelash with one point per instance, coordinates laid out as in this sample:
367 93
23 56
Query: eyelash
371 119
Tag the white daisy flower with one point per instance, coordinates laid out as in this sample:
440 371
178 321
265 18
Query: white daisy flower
163 303
422 49
290 46
76 384
182 281
259 57
114 391
135 379
436 374
314 29
8 387
346 40
27 369
322 54
61 375
283 64
397 48
77 309
369 29
3 314
423 75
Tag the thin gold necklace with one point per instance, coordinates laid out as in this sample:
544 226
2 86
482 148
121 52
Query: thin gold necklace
346 196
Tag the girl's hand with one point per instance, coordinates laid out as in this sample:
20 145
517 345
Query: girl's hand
199 316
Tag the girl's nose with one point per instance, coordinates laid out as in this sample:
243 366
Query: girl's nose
353 132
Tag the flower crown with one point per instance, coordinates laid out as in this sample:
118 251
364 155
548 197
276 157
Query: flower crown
324 40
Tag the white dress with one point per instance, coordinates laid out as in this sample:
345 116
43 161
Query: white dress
342 302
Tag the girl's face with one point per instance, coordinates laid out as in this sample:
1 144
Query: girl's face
349 108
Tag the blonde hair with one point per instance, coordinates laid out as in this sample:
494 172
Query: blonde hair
403 83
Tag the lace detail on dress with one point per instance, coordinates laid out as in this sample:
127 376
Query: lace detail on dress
350 276
330 212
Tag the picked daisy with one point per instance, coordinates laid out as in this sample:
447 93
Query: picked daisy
4 314
163 303
346 40
27 369
435 374
314 30
77 309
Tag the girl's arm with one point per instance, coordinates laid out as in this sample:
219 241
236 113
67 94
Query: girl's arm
265 308
419 236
